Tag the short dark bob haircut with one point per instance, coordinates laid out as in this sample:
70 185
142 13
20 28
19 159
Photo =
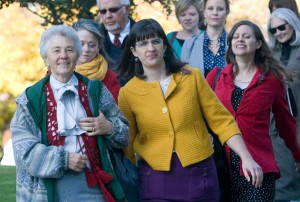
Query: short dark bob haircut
142 30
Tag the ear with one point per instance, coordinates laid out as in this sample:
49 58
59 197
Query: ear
127 8
204 14
46 62
133 51
258 44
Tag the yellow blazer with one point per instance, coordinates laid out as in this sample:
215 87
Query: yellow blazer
159 125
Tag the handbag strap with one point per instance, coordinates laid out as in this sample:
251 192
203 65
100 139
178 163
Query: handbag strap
216 78
173 37
291 102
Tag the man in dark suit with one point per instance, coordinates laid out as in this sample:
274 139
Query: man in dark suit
116 24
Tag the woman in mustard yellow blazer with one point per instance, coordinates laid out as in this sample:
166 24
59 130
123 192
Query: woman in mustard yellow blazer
167 104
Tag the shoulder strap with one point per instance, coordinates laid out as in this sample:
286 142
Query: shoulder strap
173 37
216 78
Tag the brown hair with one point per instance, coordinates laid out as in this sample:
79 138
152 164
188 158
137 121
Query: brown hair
183 5
290 4
263 58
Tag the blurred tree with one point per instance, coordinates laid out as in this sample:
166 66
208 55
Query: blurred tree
67 11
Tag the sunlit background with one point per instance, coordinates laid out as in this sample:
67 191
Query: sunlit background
21 65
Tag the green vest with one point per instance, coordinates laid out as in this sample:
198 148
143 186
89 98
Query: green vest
38 110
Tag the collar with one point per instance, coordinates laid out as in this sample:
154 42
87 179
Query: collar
228 76
221 39
140 87
123 33
57 84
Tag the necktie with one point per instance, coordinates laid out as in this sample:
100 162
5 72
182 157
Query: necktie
117 41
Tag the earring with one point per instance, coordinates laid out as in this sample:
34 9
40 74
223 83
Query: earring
136 59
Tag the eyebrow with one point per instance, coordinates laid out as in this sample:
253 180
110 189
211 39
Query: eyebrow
60 47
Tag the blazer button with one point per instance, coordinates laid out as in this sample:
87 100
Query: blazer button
164 110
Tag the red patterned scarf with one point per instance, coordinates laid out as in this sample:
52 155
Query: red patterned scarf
96 175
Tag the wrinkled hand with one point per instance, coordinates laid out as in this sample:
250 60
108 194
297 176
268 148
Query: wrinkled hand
77 161
99 125
297 167
251 167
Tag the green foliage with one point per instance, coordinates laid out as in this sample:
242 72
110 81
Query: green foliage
7 108
67 11
20 62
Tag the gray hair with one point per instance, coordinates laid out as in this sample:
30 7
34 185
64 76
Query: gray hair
91 26
62 30
122 2
289 17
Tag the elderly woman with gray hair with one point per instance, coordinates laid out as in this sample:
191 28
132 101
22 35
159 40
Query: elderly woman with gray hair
56 159
284 40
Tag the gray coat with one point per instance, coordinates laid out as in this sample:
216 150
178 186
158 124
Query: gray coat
288 186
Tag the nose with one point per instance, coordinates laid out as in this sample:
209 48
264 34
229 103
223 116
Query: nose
150 46
108 14
241 38
63 54
187 17
277 32
85 47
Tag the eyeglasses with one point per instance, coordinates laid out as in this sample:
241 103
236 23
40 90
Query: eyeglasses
144 44
111 10
280 28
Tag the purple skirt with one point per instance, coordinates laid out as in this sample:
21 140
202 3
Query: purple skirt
197 182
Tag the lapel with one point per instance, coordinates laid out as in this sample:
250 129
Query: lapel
228 76
175 81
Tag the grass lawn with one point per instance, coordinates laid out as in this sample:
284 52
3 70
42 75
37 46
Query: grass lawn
8 183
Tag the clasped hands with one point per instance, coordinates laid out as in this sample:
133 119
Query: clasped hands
99 125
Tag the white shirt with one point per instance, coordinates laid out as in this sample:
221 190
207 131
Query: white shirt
123 34
69 112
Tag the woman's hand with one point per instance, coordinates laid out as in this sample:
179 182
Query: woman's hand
99 125
77 161
250 166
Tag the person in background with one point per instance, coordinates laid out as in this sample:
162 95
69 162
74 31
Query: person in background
290 4
189 14
167 104
284 40
116 25
207 50
93 61
250 86
58 159
8 158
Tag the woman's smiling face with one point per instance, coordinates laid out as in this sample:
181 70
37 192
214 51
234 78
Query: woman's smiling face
284 35
61 57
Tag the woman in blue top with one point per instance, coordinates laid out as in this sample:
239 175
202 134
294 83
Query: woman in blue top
189 14
207 50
